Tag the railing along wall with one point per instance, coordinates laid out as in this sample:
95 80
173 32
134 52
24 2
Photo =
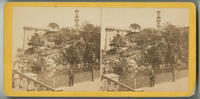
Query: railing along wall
22 82
108 84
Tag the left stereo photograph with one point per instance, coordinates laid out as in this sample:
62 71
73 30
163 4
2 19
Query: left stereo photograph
56 49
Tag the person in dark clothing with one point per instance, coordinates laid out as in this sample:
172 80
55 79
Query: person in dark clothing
71 77
104 70
152 78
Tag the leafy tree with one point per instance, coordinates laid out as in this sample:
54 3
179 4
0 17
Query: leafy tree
53 26
118 43
177 45
167 46
91 36
65 30
39 63
65 36
185 45
36 41
135 27
73 54
122 66
71 33
151 49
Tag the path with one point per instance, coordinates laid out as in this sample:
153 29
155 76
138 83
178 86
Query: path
179 85
83 86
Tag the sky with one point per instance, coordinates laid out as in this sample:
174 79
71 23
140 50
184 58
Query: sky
114 17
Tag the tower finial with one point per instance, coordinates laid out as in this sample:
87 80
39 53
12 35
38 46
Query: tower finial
158 20
76 19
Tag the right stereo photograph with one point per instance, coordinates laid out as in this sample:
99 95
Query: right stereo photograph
145 49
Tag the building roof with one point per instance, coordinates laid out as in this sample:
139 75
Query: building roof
35 28
108 28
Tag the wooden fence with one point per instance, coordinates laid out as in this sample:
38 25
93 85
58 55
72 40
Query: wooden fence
144 81
62 79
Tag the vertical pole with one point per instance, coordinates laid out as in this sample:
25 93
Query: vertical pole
54 78
135 82
106 40
24 39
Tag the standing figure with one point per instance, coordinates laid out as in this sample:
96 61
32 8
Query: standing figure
152 78
104 70
71 77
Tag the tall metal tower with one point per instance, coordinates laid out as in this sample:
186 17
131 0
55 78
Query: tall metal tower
76 19
158 20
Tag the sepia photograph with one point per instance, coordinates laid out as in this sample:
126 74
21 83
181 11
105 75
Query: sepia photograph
100 49
56 49
145 49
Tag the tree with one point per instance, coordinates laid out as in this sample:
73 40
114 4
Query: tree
91 36
65 30
185 45
53 26
36 41
150 52
35 59
122 66
71 33
166 48
74 53
117 44
150 48
177 45
135 27
90 57
118 48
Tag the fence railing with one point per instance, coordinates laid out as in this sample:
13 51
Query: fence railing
21 82
108 84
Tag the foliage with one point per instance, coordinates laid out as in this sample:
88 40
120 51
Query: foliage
66 48
91 36
19 57
149 46
53 26
135 27
117 44
87 49
177 42
111 52
74 53
162 47
19 54
36 41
